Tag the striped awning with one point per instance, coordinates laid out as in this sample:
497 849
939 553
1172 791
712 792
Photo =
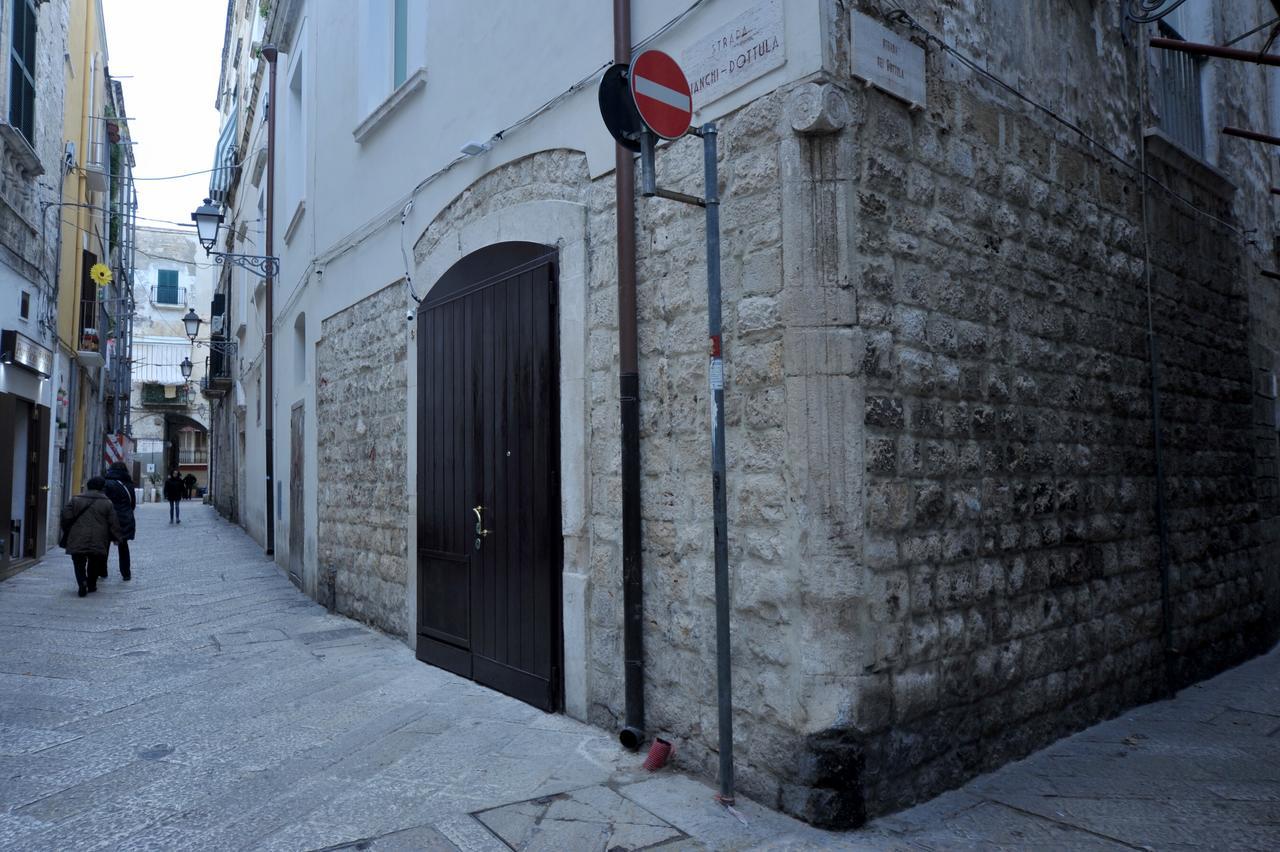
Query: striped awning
224 158
156 363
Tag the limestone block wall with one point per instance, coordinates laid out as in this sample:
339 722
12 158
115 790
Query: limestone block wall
1010 461
362 505
679 601
1010 581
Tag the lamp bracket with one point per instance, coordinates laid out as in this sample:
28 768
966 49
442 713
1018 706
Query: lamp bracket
226 347
264 266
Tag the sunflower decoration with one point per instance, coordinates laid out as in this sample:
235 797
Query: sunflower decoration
101 274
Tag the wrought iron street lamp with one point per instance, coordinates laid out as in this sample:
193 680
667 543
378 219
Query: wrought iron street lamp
185 367
192 322
208 219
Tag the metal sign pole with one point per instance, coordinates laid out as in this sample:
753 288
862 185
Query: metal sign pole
711 203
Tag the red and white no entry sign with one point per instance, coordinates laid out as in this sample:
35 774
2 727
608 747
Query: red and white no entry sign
661 93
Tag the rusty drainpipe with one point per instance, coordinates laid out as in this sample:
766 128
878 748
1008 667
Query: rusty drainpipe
270 53
632 733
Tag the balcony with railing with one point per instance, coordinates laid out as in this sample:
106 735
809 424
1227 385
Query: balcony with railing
169 295
1179 95
193 455
165 396
219 367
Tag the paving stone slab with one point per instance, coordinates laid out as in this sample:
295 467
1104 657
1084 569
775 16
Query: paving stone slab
588 818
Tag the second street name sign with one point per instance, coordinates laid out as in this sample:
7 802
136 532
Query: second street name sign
736 53
887 61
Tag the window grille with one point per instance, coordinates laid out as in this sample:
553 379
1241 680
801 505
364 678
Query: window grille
1179 96
192 448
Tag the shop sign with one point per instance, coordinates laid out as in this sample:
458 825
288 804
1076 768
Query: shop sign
17 348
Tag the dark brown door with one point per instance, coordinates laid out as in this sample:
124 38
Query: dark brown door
297 510
37 481
489 549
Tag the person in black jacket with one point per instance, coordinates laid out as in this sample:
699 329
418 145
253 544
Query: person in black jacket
119 487
89 526
174 489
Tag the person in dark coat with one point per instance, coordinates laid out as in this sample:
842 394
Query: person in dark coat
91 524
119 490
190 481
174 488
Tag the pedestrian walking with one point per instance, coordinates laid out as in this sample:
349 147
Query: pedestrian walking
190 482
119 489
174 488
89 525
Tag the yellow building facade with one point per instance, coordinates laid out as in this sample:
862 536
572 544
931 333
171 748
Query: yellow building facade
90 316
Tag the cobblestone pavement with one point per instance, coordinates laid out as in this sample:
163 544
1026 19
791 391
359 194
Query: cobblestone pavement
209 705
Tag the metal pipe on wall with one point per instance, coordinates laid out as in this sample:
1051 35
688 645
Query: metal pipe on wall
632 733
270 53
1157 430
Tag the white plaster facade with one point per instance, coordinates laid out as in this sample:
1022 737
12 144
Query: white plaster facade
172 275
349 162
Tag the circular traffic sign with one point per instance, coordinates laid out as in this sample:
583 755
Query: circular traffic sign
661 93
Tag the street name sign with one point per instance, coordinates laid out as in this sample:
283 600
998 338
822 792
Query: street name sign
735 53
886 60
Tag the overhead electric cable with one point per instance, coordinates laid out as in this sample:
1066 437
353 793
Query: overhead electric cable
392 213
901 16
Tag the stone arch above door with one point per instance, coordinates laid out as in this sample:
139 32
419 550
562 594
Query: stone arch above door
471 222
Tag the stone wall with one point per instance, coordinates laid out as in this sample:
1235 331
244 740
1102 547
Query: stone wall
677 529
362 507
1009 586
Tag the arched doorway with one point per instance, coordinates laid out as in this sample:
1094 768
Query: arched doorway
187 449
489 535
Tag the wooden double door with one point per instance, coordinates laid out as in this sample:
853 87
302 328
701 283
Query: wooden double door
489 543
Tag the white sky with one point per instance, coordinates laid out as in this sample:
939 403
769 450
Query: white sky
167 54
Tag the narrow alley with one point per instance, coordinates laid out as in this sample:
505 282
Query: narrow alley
210 705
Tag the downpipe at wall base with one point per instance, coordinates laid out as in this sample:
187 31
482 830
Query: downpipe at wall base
632 734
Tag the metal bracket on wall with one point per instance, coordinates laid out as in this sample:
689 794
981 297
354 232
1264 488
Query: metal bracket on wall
264 266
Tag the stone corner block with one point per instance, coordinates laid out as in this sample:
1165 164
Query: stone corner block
817 108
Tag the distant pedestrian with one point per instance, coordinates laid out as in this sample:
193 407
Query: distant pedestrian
190 482
119 489
174 489
89 526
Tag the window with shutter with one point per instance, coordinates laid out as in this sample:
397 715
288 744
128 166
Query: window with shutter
167 291
22 69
